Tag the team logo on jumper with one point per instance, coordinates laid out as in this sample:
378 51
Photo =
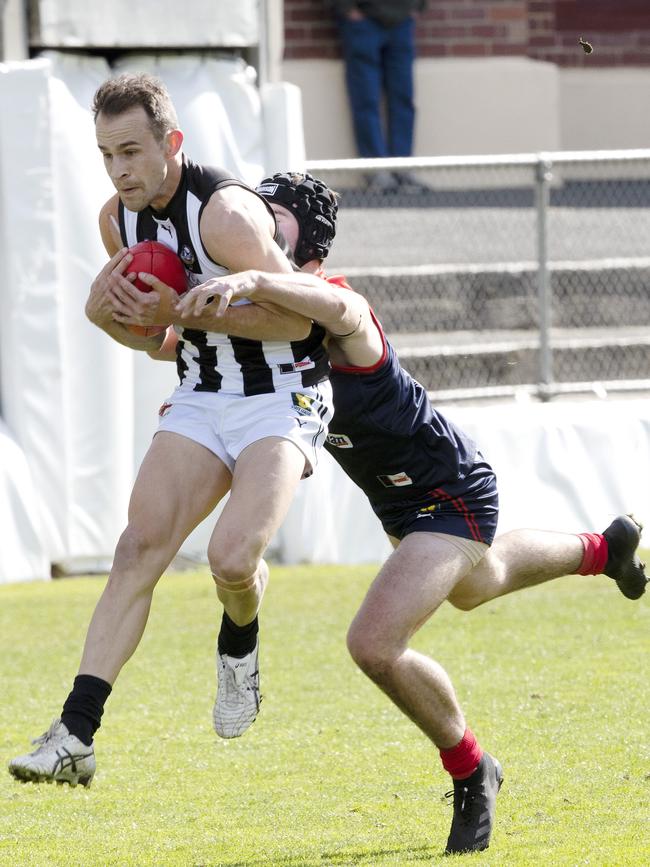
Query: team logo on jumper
187 256
194 280
164 409
302 402
297 366
395 480
339 441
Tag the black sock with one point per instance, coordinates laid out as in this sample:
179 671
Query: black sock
237 640
83 708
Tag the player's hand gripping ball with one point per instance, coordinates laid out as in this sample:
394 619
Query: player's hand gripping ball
155 258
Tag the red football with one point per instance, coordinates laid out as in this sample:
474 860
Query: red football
155 258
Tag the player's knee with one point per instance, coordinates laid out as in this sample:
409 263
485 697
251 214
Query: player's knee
138 557
464 602
134 544
370 652
233 567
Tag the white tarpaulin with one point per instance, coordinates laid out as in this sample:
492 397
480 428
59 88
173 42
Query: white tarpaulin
70 396
23 556
144 24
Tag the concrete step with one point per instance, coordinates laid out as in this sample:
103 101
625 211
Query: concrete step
474 360
608 293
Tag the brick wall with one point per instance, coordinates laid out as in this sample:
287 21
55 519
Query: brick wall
619 30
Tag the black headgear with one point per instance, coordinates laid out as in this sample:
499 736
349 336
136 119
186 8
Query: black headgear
313 205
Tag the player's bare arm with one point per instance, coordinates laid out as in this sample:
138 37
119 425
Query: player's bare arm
110 286
238 233
354 338
250 321
167 351
100 304
250 235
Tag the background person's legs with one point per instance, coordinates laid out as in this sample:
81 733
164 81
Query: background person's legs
399 57
362 51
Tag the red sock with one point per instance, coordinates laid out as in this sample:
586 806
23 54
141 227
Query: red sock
595 555
462 760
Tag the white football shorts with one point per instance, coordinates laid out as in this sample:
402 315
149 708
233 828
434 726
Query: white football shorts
226 424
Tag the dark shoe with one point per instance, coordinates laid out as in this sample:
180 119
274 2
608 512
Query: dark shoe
474 806
623 564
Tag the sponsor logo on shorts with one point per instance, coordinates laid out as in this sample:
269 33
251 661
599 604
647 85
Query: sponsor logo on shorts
305 364
396 480
302 402
164 409
340 441
427 511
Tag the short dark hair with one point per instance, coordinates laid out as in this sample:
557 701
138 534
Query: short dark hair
129 90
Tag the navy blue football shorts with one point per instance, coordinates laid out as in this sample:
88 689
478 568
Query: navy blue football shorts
467 507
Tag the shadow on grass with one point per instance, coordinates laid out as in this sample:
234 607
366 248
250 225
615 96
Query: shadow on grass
417 853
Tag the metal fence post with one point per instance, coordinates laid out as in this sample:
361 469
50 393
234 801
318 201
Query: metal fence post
543 175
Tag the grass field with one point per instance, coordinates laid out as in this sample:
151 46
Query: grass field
553 681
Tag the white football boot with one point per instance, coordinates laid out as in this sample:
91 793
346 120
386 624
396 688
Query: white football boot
238 693
60 757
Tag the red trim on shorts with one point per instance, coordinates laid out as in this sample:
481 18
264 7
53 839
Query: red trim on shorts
459 504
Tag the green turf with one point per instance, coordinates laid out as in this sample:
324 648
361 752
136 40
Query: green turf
553 681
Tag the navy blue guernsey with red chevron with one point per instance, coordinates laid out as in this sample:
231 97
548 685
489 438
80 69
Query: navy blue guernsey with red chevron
419 471
205 360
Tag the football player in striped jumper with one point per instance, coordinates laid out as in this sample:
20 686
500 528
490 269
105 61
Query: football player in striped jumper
248 417
433 492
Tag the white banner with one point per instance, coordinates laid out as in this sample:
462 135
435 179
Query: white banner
80 408
144 24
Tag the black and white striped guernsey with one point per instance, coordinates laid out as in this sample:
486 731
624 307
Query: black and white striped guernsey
209 361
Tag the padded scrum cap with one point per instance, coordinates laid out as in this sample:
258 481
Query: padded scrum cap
313 206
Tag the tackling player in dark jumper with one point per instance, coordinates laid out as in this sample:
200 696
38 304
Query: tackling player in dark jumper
432 490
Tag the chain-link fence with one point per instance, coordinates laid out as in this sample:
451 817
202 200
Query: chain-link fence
492 274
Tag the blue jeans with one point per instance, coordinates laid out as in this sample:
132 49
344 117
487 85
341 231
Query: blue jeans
379 60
